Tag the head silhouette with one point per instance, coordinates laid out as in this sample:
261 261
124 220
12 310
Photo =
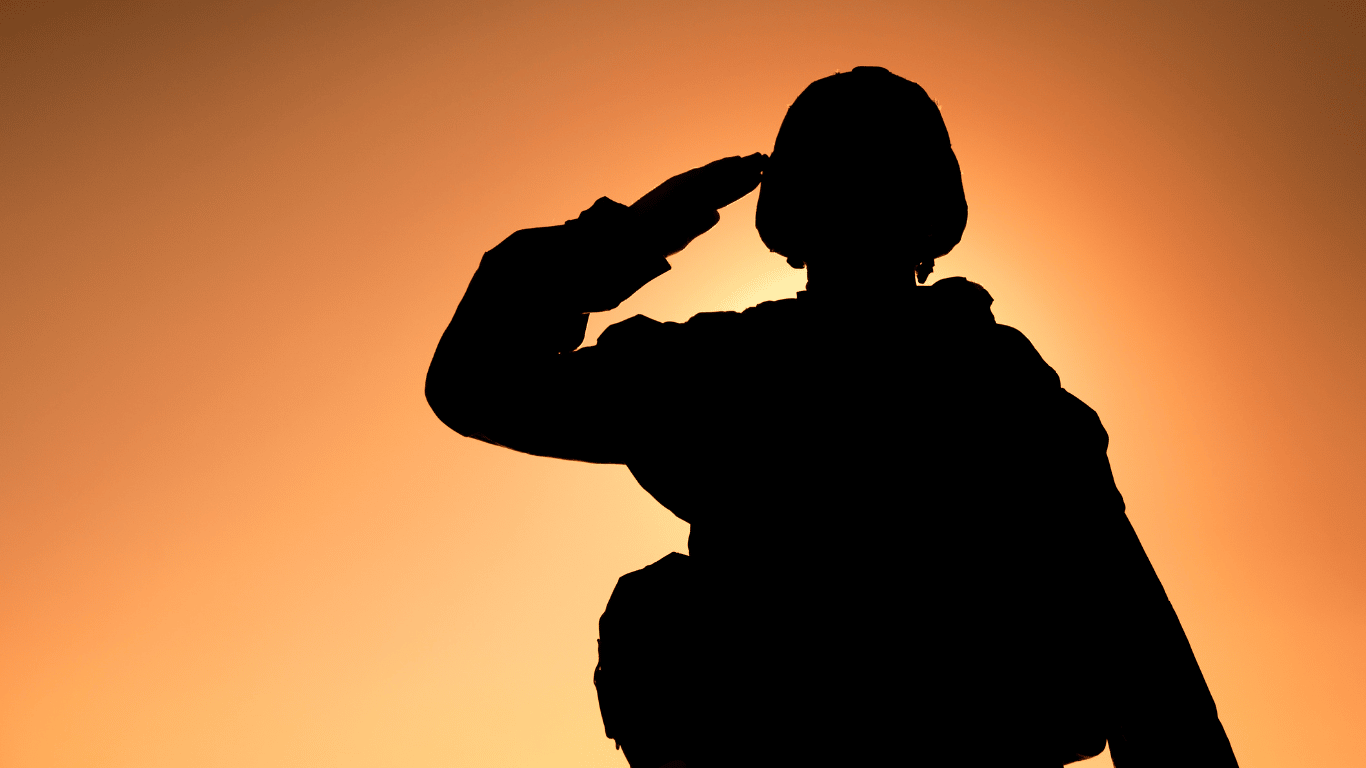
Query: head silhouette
862 179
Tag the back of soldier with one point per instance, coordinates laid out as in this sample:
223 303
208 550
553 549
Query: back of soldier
835 589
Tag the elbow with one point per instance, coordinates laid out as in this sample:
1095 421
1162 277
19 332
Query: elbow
465 413
447 401
438 403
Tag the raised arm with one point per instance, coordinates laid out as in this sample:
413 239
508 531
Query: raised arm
506 370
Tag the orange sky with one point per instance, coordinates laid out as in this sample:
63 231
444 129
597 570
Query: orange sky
232 534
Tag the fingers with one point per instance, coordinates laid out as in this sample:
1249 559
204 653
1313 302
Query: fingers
713 186
723 182
674 234
686 205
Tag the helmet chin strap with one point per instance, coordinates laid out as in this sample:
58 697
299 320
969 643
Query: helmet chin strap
923 270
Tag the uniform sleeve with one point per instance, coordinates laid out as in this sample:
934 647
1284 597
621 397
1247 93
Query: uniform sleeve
507 370
1160 711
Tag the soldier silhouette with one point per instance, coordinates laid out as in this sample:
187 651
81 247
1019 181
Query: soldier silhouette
906 543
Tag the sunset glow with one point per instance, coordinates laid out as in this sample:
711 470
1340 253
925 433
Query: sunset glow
233 534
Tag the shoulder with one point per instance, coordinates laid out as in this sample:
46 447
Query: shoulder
1012 351
957 299
1084 420
965 307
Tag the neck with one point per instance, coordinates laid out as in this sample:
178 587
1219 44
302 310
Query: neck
872 285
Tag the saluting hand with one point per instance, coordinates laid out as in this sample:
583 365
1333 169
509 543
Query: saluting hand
686 205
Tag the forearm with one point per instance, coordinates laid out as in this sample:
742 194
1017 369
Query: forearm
498 372
506 371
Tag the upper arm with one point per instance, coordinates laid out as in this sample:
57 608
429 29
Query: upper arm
586 405
505 371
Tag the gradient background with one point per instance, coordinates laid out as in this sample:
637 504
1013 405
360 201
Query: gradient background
232 532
